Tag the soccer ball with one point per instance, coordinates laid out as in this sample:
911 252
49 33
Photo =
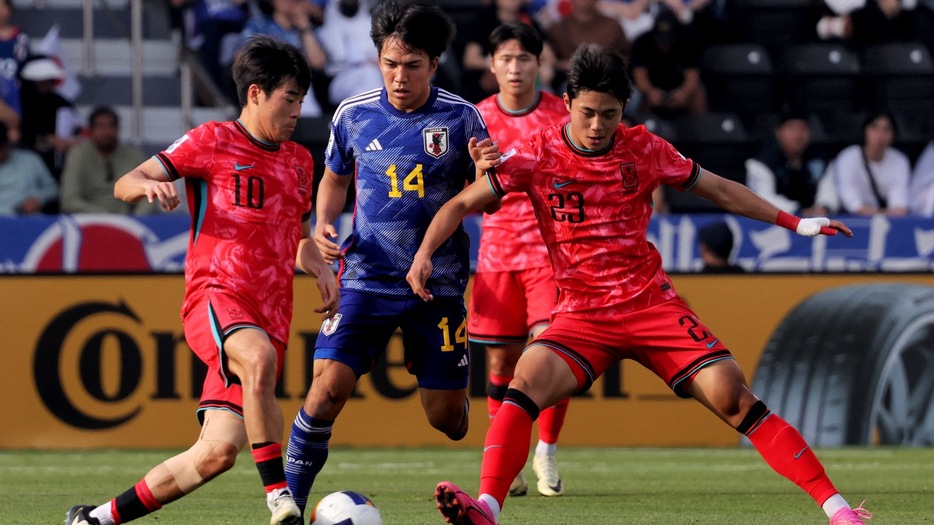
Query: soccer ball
345 508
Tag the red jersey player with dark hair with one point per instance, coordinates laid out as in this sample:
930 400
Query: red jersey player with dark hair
590 182
249 191
514 290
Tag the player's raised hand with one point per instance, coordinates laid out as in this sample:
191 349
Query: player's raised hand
324 235
812 226
418 275
164 192
485 154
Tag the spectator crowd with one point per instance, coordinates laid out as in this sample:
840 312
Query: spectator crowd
801 156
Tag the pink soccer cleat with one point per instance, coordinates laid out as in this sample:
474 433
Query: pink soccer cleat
851 516
460 509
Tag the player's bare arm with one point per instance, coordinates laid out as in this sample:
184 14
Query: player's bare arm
737 198
472 198
310 260
149 180
332 194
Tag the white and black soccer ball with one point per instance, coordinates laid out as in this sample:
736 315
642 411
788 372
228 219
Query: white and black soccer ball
345 508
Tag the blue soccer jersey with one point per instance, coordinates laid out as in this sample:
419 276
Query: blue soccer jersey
407 166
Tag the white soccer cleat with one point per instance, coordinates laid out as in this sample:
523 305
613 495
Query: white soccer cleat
283 508
549 481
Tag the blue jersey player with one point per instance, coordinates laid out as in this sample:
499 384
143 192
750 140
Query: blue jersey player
407 145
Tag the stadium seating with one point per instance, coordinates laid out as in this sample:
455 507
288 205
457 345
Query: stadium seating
901 78
716 141
777 24
821 78
739 78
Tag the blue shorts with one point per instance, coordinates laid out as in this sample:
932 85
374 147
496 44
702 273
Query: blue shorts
434 336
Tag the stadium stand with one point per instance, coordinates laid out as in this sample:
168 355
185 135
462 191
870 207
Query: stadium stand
821 78
739 78
901 78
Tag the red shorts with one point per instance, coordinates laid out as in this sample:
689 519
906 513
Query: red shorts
667 338
506 306
209 322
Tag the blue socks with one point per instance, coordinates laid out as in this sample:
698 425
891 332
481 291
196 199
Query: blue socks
306 454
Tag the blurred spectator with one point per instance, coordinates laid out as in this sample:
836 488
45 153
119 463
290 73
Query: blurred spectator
789 169
92 166
665 68
14 49
585 24
636 16
477 80
49 120
873 177
922 183
26 186
351 58
863 23
715 242
287 21
216 23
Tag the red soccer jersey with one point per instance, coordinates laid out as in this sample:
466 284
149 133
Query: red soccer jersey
593 210
248 200
510 239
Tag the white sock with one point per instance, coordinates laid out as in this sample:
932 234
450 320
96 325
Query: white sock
103 514
833 504
545 449
492 503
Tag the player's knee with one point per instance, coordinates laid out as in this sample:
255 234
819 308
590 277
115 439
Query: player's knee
217 458
259 370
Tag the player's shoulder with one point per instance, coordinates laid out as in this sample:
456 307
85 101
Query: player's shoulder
458 103
552 102
351 105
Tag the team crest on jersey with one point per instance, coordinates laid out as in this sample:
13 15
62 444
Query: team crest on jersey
303 180
330 325
436 141
630 179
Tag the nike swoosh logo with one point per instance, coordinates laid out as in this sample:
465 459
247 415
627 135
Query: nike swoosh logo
491 447
798 455
240 167
559 185
712 343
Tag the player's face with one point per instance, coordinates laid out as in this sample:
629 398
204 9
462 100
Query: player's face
406 74
279 112
594 118
515 68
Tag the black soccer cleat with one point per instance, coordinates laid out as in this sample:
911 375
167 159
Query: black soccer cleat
81 515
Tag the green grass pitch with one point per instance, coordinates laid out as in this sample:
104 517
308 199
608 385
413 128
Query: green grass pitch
603 486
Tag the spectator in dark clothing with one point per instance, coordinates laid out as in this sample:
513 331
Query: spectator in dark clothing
49 119
665 67
789 170
715 242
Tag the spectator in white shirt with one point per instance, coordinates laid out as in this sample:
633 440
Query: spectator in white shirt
872 177
922 184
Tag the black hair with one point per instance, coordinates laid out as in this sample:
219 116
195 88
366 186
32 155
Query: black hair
269 63
593 68
718 238
529 38
872 116
418 26
100 111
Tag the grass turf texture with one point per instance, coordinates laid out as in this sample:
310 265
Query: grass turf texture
603 486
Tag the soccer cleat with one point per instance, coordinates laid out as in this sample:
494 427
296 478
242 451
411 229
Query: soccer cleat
519 487
851 516
283 508
81 515
460 509
549 481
